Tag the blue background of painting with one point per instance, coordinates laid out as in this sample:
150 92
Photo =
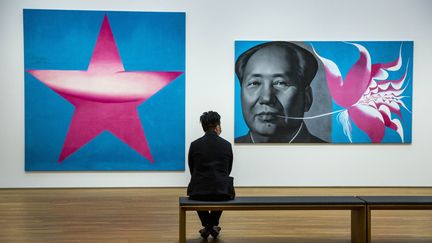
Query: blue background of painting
345 55
64 40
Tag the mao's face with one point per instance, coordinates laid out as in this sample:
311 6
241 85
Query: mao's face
270 93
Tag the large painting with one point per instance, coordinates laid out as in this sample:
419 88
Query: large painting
104 90
323 92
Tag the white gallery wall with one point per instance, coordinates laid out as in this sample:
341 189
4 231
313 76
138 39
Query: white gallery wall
211 28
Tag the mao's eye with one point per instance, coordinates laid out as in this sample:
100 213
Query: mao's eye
280 83
253 83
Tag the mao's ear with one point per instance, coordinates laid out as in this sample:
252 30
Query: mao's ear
308 98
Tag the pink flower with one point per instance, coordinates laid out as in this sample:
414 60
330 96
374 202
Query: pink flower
368 96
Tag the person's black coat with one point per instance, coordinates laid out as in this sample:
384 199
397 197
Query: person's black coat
210 162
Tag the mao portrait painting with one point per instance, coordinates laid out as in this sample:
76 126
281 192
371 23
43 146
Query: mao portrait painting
323 92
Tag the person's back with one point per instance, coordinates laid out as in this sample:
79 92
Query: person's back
210 162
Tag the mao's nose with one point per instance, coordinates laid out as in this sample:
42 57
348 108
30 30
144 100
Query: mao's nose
267 95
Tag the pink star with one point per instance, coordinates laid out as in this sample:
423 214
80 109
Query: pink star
105 96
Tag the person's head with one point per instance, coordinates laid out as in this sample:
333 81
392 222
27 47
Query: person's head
275 82
210 121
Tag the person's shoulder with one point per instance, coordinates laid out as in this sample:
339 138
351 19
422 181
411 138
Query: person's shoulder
224 141
197 141
243 139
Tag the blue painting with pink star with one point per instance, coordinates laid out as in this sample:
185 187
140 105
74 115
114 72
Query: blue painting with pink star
104 90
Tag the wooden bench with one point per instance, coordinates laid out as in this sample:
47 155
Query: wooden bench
394 203
354 204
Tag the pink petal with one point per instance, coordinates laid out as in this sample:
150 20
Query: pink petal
393 109
393 124
369 120
347 92
396 84
396 64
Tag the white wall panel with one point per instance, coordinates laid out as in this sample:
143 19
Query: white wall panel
211 28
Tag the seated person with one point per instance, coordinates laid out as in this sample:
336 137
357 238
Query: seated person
210 161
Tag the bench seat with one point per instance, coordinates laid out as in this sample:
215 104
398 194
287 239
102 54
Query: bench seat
354 204
360 206
393 203
272 200
397 200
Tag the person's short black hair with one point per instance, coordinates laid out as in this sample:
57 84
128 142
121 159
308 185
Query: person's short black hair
305 64
210 120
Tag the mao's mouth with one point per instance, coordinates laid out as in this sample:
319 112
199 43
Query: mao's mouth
267 116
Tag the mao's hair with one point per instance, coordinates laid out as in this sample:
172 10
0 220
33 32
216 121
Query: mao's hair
210 120
304 64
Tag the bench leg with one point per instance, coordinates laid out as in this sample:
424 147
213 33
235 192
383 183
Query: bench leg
359 225
182 225
369 224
